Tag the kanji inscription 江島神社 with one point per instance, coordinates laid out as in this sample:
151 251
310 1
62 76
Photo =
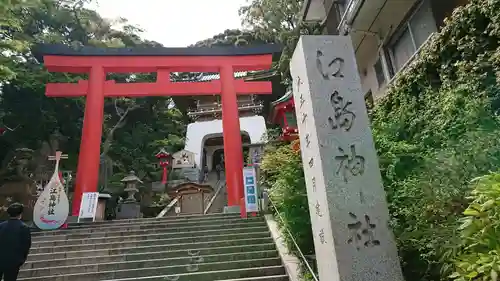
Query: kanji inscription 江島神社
347 203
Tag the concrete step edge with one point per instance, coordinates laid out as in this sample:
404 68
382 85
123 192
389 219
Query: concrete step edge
157 252
180 217
161 267
148 220
257 278
106 245
198 273
166 232
156 246
104 230
125 226
243 229
229 255
153 222
242 240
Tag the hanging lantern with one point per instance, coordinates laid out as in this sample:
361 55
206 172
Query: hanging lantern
164 158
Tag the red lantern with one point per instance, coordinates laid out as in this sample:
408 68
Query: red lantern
164 158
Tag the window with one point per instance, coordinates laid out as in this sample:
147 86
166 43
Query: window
402 51
411 36
379 73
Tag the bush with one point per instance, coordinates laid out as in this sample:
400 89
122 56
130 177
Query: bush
426 205
283 174
435 130
479 255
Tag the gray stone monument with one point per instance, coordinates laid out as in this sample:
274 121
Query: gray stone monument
347 201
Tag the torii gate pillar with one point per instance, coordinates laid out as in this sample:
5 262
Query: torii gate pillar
87 173
233 149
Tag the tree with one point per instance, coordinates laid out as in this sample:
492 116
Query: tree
152 122
277 21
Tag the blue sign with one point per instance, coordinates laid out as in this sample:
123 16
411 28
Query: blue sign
249 180
251 189
251 197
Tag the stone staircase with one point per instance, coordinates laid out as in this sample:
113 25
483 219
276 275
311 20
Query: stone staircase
185 248
220 199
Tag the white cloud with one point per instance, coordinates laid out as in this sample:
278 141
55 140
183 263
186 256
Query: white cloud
175 23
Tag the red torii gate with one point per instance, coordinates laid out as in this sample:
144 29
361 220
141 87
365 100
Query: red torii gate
99 61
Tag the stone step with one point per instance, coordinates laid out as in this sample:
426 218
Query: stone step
170 242
98 232
54 260
149 248
283 277
139 226
183 218
204 268
177 222
175 235
112 266
167 218
231 274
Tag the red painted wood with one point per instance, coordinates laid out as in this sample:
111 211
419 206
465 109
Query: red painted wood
243 211
122 64
113 89
233 149
87 174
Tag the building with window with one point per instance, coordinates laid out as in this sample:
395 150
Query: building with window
386 34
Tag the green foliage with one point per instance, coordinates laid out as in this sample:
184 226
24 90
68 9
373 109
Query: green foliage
133 130
231 37
435 130
283 174
277 21
479 255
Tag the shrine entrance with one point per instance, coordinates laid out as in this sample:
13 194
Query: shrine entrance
213 147
97 62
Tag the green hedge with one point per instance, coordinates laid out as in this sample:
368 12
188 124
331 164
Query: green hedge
436 129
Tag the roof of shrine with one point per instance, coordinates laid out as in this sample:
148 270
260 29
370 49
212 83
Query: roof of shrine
286 97
64 50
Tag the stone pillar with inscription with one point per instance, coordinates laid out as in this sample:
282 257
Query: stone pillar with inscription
347 202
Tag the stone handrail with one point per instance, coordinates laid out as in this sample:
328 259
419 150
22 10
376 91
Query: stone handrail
302 256
220 184
168 207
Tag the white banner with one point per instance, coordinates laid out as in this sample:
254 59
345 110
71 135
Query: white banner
250 186
88 207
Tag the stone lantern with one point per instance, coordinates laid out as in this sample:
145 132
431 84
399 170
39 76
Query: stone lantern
130 208
131 182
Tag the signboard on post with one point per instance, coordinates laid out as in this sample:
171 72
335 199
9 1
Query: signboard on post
88 206
250 186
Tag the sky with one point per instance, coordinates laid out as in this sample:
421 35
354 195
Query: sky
175 23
